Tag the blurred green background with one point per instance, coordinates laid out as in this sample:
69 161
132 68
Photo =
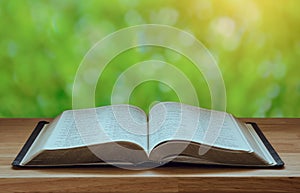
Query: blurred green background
256 44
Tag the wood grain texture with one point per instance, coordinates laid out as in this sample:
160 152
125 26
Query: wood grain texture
284 135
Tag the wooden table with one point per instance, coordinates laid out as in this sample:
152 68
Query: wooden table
284 135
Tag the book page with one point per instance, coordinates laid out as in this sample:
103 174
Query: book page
40 141
175 121
86 127
257 143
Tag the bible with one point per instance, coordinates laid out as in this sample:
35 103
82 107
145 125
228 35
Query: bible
125 135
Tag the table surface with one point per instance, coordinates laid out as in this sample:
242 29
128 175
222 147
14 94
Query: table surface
283 133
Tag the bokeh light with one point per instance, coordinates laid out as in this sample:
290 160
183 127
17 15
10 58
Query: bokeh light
255 42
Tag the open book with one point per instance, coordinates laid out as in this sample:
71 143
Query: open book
125 135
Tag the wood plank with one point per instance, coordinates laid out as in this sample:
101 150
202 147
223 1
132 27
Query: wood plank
284 135
150 184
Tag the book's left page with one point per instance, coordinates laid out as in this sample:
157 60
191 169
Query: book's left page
116 127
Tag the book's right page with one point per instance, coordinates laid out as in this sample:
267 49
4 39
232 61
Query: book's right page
176 121
191 134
